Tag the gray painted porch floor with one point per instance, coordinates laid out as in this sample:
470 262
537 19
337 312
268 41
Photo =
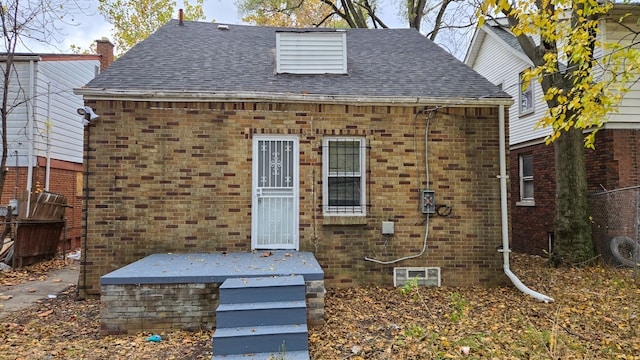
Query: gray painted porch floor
214 267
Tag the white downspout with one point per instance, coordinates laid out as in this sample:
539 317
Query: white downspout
31 140
504 214
48 125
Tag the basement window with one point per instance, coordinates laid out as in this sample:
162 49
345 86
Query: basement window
311 52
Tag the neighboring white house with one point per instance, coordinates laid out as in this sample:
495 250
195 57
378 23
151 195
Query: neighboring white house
43 120
496 54
45 133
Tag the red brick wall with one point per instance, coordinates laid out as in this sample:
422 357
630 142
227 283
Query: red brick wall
613 164
63 180
176 177
531 225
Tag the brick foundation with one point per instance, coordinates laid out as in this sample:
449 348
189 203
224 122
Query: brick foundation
133 308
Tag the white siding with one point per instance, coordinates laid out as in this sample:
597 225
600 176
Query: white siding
311 52
500 66
20 109
65 131
628 115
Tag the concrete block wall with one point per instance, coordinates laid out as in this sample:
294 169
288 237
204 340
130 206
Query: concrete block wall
315 302
176 177
132 308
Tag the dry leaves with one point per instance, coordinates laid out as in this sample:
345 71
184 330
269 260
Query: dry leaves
595 316
31 272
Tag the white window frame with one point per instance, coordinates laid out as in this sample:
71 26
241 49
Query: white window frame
332 210
526 96
525 180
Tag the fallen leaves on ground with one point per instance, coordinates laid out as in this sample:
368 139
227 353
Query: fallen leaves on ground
594 316
33 272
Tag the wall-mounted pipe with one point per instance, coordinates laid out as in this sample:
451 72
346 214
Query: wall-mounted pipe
30 132
426 231
504 215
48 125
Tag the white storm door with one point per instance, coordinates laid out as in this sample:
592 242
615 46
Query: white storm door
274 208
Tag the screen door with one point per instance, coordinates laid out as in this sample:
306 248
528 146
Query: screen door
275 193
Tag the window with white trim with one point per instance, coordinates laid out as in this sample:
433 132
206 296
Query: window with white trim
344 180
526 96
526 178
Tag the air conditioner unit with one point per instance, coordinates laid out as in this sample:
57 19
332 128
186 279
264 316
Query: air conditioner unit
425 276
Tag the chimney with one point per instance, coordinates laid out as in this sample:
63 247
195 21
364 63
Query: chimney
104 48
181 17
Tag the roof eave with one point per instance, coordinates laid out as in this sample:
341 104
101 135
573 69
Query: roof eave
262 97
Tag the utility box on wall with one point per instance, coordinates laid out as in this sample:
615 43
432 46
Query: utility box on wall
388 228
428 202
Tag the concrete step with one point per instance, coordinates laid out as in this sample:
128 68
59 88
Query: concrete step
262 289
286 355
260 339
261 314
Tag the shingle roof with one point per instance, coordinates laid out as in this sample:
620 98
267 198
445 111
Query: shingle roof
507 37
381 62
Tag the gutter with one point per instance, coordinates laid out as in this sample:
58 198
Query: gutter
251 96
505 219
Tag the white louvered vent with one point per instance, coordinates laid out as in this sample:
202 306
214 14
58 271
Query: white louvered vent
425 276
311 52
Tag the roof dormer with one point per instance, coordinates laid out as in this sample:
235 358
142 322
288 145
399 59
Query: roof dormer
311 52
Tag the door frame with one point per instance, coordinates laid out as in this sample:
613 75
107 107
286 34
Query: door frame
296 191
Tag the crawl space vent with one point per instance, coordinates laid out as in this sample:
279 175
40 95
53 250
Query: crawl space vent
426 276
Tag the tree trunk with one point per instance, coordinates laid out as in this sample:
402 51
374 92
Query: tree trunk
573 243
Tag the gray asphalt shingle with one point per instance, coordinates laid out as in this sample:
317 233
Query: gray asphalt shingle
507 37
381 62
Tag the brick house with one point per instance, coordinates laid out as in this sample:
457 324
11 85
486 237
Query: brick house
44 131
229 138
496 54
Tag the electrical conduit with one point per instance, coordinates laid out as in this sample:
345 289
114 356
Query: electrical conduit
426 231
505 219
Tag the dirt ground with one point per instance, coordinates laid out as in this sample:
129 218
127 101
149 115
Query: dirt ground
595 316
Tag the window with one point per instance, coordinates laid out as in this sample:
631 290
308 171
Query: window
526 96
526 178
344 177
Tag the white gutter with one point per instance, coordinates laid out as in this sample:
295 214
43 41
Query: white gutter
251 96
505 219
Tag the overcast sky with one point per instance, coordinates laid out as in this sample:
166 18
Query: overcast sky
91 26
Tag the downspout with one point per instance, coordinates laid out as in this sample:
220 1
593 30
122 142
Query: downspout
48 125
504 214
31 140
82 289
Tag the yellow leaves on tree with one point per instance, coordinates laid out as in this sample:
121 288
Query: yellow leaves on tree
288 13
135 20
584 75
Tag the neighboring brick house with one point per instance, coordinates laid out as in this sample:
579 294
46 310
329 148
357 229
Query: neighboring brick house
230 138
496 54
44 130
